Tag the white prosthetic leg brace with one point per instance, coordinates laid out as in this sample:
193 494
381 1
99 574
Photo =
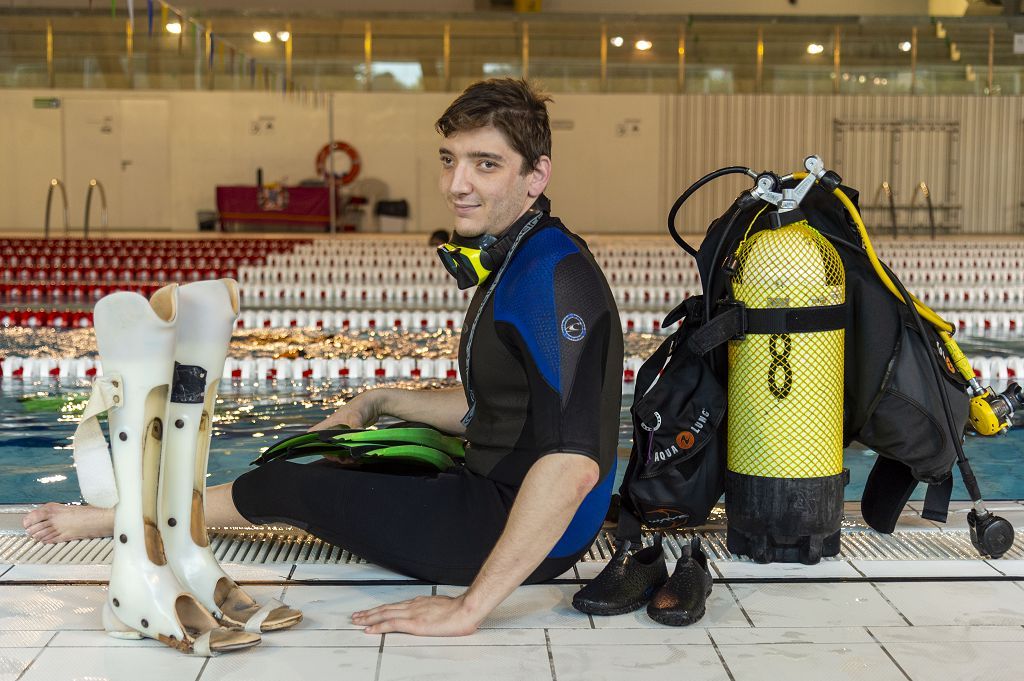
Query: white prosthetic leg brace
136 340
206 317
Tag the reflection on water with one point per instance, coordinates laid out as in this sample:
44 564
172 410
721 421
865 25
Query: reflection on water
308 343
35 446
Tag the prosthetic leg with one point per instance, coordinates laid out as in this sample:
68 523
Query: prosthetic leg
206 317
136 343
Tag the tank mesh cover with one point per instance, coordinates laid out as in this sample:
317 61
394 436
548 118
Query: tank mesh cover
786 390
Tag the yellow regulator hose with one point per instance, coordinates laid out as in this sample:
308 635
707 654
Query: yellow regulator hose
944 328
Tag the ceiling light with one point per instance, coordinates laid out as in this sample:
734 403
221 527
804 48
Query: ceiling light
644 45
846 76
261 36
283 36
885 81
617 41
815 48
876 80
861 78
173 27
905 46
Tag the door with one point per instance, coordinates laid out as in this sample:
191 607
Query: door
92 150
123 145
145 164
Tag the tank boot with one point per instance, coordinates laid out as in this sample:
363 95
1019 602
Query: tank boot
136 339
206 316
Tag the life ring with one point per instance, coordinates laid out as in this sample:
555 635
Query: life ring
353 156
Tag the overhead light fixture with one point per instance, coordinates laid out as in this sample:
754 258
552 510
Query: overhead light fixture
617 41
643 45
261 36
876 80
846 76
283 36
885 81
815 48
862 78
173 27
905 46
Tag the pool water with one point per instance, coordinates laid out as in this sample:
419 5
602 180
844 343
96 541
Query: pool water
36 454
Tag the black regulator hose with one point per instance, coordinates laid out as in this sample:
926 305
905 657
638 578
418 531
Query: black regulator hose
729 170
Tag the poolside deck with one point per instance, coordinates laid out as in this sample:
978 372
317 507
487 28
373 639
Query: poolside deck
867 614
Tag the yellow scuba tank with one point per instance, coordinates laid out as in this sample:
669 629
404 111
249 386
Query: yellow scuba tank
784 320
785 479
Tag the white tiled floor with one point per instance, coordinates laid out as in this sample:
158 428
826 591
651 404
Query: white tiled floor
816 605
922 631
832 661
938 603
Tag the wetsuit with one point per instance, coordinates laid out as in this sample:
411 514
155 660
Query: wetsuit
541 361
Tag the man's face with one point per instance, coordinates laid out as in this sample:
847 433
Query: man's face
482 182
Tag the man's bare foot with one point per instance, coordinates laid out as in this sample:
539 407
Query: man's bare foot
52 523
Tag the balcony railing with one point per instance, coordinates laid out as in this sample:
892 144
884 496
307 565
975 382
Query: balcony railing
657 54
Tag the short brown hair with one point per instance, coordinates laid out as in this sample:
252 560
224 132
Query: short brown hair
512 106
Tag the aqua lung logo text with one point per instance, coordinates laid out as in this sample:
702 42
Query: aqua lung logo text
673 449
573 327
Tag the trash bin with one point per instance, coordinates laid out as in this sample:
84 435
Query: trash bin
207 220
393 216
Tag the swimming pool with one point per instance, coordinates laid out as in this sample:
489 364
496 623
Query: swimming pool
36 455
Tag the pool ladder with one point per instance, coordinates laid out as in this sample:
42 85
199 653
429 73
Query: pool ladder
94 184
55 184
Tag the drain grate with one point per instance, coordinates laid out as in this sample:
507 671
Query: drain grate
857 545
290 546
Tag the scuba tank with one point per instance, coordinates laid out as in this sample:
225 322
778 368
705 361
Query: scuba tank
785 477
817 354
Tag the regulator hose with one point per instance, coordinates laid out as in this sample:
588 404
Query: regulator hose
721 172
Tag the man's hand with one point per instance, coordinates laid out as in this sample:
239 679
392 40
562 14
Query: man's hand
421 616
361 411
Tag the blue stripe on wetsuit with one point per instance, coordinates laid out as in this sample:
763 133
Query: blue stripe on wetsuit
526 299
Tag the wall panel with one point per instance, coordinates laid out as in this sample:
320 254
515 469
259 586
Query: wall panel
609 177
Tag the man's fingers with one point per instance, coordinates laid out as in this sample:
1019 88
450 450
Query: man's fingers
326 423
390 607
405 626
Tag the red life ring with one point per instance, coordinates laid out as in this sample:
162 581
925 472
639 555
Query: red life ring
353 156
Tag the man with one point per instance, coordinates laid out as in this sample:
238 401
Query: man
541 358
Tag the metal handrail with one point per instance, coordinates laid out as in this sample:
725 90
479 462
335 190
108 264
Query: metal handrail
923 188
887 188
54 184
95 184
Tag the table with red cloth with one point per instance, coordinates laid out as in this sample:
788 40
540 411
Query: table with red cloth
309 206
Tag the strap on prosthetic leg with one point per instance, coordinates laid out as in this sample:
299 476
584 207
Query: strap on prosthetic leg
92 454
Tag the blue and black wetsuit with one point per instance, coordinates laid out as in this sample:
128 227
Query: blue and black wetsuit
541 360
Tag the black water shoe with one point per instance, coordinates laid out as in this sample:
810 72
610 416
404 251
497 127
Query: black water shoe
681 600
626 583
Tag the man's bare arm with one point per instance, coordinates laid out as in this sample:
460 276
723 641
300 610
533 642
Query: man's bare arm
442 408
552 491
